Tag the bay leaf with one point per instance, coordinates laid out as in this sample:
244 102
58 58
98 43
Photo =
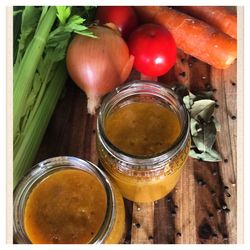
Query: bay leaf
202 109
215 154
192 96
204 140
205 156
217 125
187 101
194 126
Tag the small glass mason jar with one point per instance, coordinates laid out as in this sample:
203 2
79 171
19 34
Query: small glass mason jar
143 179
112 227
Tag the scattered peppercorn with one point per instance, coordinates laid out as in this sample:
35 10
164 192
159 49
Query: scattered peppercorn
201 182
214 235
173 213
225 237
178 234
205 231
224 206
138 225
214 172
210 215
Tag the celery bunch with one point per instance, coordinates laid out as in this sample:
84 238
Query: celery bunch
39 75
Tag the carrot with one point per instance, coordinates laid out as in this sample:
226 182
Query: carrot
193 36
220 17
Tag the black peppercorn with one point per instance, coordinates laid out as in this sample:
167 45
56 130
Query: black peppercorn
138 225
178 234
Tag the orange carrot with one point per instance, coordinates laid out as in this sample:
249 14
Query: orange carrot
220 17
193 36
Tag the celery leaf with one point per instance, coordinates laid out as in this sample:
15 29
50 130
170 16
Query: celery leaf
63 13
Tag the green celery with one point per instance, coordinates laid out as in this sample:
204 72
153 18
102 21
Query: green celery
28 23
35 131
27 68
40 94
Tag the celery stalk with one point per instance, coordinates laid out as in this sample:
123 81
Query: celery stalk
35 131
39 76
27 68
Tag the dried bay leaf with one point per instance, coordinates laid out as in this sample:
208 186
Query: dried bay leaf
203 126
217 125
204 140
188 102
215 154
202 109
194 127
211 156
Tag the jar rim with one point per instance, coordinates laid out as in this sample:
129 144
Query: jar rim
49 166
148 87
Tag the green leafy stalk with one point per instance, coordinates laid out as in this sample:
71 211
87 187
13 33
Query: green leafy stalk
29 19
39 79
27 68
35 130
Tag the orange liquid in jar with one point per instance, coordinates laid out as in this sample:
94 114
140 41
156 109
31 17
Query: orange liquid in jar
68 206
142 129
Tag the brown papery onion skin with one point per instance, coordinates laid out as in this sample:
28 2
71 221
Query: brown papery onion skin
98 65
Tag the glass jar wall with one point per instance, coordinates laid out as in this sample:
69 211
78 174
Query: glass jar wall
67 200
143 139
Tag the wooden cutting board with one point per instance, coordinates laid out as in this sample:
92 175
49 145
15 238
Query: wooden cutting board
202 207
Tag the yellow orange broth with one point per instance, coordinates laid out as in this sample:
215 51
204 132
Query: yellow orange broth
144 129
67 207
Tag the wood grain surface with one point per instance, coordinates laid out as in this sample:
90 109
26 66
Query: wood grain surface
202 207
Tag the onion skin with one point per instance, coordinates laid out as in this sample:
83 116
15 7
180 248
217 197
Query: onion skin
98 65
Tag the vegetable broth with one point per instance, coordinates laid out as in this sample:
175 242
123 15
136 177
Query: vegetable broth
143 129
69 206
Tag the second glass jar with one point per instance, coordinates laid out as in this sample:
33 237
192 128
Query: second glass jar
51 205
143 178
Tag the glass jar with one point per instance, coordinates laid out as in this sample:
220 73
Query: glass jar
112 227
143 178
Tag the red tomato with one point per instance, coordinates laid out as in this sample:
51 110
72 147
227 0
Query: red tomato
154 49
123 17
